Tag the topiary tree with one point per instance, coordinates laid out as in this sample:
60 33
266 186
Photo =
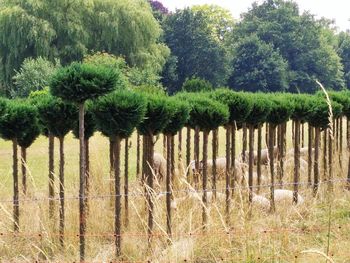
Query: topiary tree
29 135
16 116
196 85
240 105
78 83
58 118
117 115
181 113
280 112
158 115
260 110
207 115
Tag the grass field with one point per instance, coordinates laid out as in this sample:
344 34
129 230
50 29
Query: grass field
319 224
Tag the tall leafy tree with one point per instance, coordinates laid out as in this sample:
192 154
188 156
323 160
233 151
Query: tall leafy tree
344 53
189 36
300 39
257 67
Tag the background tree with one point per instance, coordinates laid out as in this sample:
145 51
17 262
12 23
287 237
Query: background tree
33 75
78 83
190 38
196 85
117 115
300 40
344 53
16 116
256 66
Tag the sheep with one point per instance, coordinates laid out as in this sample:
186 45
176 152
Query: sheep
159 166
261 202
283 195
264 155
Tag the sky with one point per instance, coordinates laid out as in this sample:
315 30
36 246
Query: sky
332 9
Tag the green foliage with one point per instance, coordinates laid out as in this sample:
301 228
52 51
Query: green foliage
343 98
89 124
118 113
181 114
281 109
344 53
239 103
56 116
199 54
158 115
17 119
80 82
260 111
256 66
30 134
301 106
319 112
34 75
196 85
303 42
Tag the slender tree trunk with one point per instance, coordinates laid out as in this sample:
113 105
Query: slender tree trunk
267 134
82 201
15 186
111 170
168 187
205 178
188 146
293 131
340 155
149 177
214 148
279 153
309 160
233 159
271 157
196 157
330 160
116 153
258 168
336 133
325 169
24 169
179 148
244 143
138 153
316 162
126 182
228 165
144 159
87 174
302 135
164 145
348 146
283 151
61 178
51 175
296 161
172 155
251 162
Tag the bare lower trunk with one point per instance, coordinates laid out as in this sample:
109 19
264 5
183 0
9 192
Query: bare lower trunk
296 161
214 148
302 136
283 151
325 166
179 148
228 128
51 176
348 146
149 180
111 170
144 159
316 162
164 145
258 168
309 159
205 178
15 187
126 182
233 158
267 134
138 153
24 169
340 155
82 214
172 155
244 143
251 162
271 157
330 161
61 179
116 153
336 133
188 146
196 157
87 174
168 187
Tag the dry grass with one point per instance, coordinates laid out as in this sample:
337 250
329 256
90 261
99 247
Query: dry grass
292 234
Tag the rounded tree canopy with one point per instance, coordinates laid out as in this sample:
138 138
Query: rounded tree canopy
181 114
343 98
207 114
30 133
157 117
80 82
239 104
319 112
57 116
89 124
196 85
17 117
260 110
118 113
301 106
281 109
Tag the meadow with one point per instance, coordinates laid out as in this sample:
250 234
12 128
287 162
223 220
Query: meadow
291 234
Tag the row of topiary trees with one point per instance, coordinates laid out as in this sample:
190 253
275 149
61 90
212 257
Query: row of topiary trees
119 111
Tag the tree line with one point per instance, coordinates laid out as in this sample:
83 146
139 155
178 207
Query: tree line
273 47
